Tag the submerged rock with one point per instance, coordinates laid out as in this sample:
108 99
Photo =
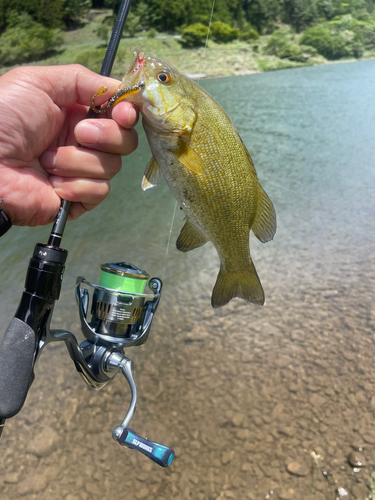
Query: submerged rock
45 443
360 492
356 459
297 469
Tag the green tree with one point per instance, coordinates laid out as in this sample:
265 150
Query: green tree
27 40
75 10
300 13
263 14
49 13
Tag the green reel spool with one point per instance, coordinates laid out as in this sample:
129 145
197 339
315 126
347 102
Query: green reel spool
123 277
119 299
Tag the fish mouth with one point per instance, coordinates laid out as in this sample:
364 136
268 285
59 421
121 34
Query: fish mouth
137 64
142 66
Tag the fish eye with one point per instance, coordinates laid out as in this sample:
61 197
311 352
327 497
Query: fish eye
164 77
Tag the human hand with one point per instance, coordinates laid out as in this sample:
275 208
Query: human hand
42 122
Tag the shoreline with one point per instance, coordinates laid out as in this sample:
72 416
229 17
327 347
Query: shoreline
257 72
237 58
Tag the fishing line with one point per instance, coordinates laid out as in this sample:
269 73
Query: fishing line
175 205
169 239
208 34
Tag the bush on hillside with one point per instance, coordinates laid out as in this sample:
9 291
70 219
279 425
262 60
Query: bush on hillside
336 47
357 49
133 24
223 33
249 34
194 35
151 33
368 37
364 33
27 40
330 45
281 46
102 32
316 36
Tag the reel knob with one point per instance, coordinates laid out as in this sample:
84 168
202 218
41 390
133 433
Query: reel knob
160 454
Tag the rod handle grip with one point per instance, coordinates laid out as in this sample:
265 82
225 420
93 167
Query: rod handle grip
160 454
16 366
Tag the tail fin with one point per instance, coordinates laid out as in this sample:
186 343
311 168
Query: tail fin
244 284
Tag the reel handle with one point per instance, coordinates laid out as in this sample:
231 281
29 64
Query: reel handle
160 454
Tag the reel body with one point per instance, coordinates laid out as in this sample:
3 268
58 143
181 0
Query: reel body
121 316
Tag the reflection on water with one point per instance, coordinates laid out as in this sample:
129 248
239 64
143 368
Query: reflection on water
257 402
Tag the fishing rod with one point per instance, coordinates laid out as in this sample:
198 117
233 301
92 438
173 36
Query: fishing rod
109 59
121 316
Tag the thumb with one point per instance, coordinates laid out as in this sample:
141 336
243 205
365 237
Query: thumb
65 85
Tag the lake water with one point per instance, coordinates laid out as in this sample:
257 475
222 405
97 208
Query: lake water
247 396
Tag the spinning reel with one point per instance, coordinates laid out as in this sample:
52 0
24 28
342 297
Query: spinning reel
121 316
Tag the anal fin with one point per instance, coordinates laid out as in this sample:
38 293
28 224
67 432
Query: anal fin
189 238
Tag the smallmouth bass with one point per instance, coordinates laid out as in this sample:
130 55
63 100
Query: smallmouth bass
198 151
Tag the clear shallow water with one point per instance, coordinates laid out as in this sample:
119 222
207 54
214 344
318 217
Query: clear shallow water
241 392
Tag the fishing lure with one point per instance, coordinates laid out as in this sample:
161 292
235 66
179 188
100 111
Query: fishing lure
117 97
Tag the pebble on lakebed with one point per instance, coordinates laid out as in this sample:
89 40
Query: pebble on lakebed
297 469
356 459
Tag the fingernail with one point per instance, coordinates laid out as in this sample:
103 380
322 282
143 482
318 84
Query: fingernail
47 159
87 132
56 181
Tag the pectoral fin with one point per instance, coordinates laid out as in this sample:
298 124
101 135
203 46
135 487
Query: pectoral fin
264 225
190 159
189 238
152 176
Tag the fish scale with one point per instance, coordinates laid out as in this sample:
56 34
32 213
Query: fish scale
198 151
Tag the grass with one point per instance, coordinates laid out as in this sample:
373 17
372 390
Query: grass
235 58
